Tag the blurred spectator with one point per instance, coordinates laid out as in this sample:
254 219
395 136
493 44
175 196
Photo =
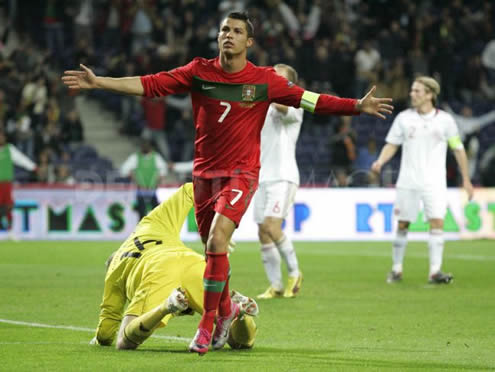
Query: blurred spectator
84 21
147 169
487 167
54 32
343 151
469 130
366 156
367 61
46 169
63 174
20 125
9 156
72 130
112 21
141 28
35 97
154 114
488 60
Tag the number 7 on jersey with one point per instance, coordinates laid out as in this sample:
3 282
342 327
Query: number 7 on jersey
227 110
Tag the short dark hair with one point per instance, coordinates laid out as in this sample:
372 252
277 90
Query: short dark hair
243 16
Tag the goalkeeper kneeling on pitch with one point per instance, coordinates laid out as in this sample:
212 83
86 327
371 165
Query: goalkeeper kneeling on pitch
159 278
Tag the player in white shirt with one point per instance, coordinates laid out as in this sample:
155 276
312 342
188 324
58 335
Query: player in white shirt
278 183
424 133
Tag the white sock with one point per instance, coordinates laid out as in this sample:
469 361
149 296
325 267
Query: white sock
435 246
271 261
399 250
288 253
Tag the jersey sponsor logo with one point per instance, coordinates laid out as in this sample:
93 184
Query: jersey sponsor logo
207 87
248 92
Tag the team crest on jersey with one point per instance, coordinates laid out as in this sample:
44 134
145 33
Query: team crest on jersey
248 92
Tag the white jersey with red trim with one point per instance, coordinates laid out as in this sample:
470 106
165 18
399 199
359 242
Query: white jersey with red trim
424 140
278 145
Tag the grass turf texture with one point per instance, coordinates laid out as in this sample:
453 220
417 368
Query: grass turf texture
346 317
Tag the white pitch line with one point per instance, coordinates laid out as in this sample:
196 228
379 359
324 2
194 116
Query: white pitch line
454 256
81 329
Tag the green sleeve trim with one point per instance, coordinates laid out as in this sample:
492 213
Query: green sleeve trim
455 142
308 100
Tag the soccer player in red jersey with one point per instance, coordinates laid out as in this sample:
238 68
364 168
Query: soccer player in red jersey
230 98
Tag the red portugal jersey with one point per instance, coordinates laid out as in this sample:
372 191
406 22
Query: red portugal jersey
230 109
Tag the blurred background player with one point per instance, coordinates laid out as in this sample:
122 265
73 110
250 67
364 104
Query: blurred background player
279 179
146 168
230 98
424 133
159 277
9 156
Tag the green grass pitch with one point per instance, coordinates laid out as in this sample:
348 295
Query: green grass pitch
346 317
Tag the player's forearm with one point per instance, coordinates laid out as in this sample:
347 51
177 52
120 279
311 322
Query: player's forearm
126 85
106 331
462 162
387 153
327 104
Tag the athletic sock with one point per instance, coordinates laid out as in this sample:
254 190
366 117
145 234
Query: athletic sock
214 279
288 253
399 250
139 329
271 261
225 305
435 246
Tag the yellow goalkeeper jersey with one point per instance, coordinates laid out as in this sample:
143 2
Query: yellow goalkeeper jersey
155 240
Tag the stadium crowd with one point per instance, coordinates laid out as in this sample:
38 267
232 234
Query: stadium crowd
340 46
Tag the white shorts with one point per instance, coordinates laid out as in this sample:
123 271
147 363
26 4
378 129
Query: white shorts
408 203
273 199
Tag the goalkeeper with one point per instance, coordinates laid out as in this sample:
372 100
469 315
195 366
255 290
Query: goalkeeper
159 277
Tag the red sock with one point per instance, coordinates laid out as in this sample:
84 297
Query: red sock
214 279
225 305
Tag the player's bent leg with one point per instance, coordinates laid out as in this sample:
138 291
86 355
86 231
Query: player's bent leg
271 259
398 252
435 247
123 343
215 278
135 330
273 227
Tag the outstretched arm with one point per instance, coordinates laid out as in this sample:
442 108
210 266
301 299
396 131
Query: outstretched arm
86 79
286 93
386 154
462 162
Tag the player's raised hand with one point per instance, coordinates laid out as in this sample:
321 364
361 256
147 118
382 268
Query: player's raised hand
84 79
375 106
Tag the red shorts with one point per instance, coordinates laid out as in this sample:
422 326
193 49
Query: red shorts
6 194
229 196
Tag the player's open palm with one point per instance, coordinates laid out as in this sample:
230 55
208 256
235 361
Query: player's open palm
84 79
375 106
